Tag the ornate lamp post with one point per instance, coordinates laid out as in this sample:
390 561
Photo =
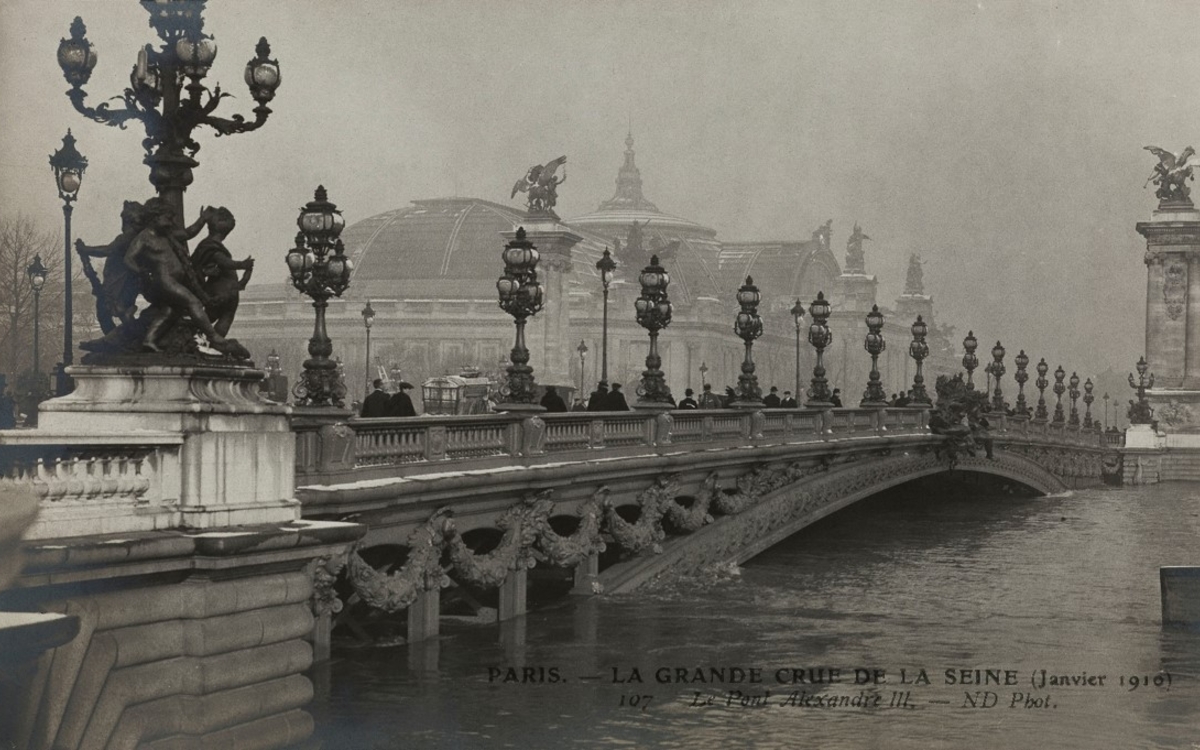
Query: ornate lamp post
653 310
1073 394
37 279
68 166
703 370
748 326
320 269
1088 398
521 297
606 266
875 345
919 350
969 360
1106 411
166 93
1021 377
997 371
1042 368
820 337
368 316
1059 388
583 350
798 316
1140 412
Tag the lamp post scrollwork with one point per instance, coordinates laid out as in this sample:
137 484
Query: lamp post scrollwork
166 91
653 310
320 269
1088 398
1140 411
1021 376
969 360
820 337
919 350
874 395
521 297
748 326
1073 394
996 371
1059 375
1041 415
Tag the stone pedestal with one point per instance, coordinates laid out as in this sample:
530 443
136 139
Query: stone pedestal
855 292
1173 315
236 462
549 335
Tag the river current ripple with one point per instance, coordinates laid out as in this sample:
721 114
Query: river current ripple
912 580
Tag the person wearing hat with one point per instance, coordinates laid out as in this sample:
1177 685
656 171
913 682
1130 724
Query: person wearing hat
708 399
787 402
400 405
836 398
376 402
616 399
688 402
552 402
597 401
771 400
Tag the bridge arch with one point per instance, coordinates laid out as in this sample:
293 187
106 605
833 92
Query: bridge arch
783 512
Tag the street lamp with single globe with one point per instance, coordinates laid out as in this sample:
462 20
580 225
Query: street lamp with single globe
68 166
37 279
606 266
368 316
583 350
320 269
798 316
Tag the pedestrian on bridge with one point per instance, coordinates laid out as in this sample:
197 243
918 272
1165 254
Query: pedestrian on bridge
400 405
787 402
598 397
771 400
616 400
688 402
376 403
708 399
552 402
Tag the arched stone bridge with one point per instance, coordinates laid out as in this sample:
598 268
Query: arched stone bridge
624 497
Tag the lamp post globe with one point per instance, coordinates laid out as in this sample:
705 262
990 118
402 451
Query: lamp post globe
653 309
820 337
874 396
969 360
919 350
748 326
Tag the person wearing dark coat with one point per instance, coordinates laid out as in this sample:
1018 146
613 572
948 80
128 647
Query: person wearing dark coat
616 399
400 405
836 398
688 402
771 400
787 402
552 402
376 402
596 401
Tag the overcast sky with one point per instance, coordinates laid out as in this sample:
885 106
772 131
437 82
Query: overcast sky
1000 140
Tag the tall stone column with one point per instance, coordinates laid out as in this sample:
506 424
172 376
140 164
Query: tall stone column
1173 315
550 338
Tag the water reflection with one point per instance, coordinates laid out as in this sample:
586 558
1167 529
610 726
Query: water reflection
910 580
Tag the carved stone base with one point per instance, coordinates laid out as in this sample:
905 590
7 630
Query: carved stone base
236 462
1176 411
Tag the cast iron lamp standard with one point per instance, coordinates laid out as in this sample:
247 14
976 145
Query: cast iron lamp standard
368 316
1042 368
1106 397
1073 394
969 360
1059 389
583 350
68 165
798 316
320 269
1021 376
166 91
37 279
653 309
1088 398
820 337
998 370
875 345
1140 412
606 266
703 371
919 350
520 297
748 326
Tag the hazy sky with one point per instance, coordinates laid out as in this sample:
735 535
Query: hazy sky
1000 140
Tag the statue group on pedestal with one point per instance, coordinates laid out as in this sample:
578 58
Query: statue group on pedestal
1171 175
542 185
187 294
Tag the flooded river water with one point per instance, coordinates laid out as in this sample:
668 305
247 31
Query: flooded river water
911 620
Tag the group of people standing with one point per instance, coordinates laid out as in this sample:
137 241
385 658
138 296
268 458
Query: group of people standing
380 403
